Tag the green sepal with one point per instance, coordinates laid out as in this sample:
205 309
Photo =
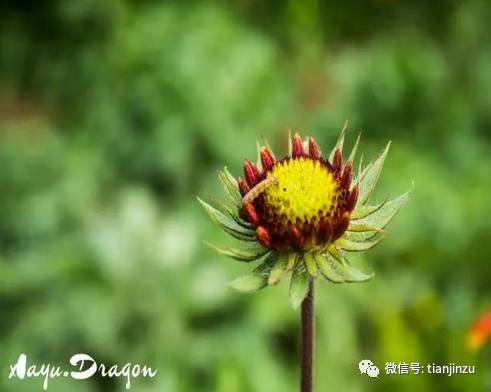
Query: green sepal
353 246
330 268
380 218
310 264
350 274
364 211
228 224
370 176
230 186
352 155
258 278
339 142
279 270
248 254
299 285
233 214
292 261
362 227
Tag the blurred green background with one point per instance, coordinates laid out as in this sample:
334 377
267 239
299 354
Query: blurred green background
115 114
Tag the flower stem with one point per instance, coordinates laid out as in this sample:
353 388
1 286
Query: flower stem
308 336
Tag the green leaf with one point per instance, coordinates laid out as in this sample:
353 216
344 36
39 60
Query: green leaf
230 186
352 155
330 268
279 269
339 142
350 273
257 279
228 224
352 246
364 211
299 285
310 264
370 176
252 253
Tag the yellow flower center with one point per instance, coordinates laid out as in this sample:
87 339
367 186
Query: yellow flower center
305 191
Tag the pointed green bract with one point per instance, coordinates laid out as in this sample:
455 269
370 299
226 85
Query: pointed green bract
352 246
370 176
350 273
252 253
230 186
329 267
361 227
310 264
382 217
279 269
299 285
340 141
257 279
292 261
364 211
234 215
228 224
352 155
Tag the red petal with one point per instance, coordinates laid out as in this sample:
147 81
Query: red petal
341 225
346 180
325 230
251 213
352 198
251 173
263 236
298 150
314 151
243 187
337 162
297 237
266 159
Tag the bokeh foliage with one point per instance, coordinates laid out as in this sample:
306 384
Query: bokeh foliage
115 114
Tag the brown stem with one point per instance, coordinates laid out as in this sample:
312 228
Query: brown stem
308 336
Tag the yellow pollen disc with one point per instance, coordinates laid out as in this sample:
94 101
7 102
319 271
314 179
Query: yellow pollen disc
305 191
